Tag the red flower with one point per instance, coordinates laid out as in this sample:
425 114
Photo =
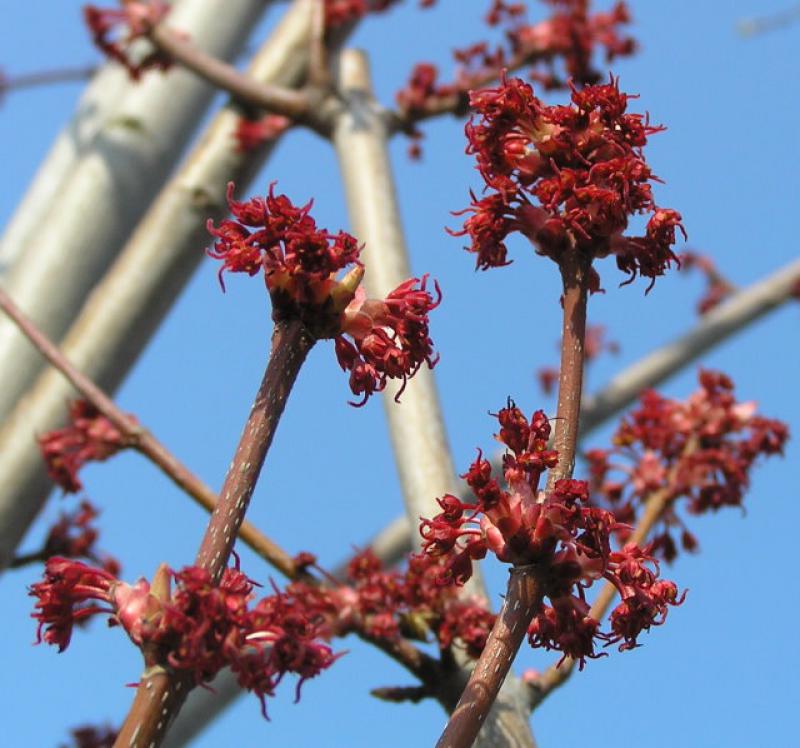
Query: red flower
251 134
197 629
69 593
701 450
390 337
89 437
114 30
74 537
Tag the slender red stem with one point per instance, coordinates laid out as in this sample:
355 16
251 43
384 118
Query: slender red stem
161 693
524 597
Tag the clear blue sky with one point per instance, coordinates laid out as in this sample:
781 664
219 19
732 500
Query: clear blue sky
722 671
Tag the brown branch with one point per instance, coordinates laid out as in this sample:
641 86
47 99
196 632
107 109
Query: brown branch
290 346
142 440
276 99
160 696
524 597
319 72
575 277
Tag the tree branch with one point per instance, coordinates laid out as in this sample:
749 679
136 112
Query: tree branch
143 441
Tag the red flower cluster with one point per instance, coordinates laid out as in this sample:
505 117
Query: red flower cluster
89 437
717 287
251 134
197 629
700 450
560 533
338 12
582 163
114 30
390 338
385 604
571 35
73 536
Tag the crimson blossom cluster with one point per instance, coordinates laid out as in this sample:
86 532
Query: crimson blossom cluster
375 340
198 628
114 29
385 604
88 437
567 177
339 12
698 453
570 36
559 534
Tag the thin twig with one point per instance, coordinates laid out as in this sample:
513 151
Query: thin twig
142 440
275 99
46 78
290 346
753 26
319 72
161 692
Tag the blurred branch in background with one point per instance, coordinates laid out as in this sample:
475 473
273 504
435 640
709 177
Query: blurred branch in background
748 27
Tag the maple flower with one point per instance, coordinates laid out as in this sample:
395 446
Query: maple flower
73 536
717 287
91 736
251 134
338 12
70 592
698 452
565 538
568 39
113 31
567 177
385 604
197 629
375 340
89 437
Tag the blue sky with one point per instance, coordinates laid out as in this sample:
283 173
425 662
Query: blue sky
721 672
